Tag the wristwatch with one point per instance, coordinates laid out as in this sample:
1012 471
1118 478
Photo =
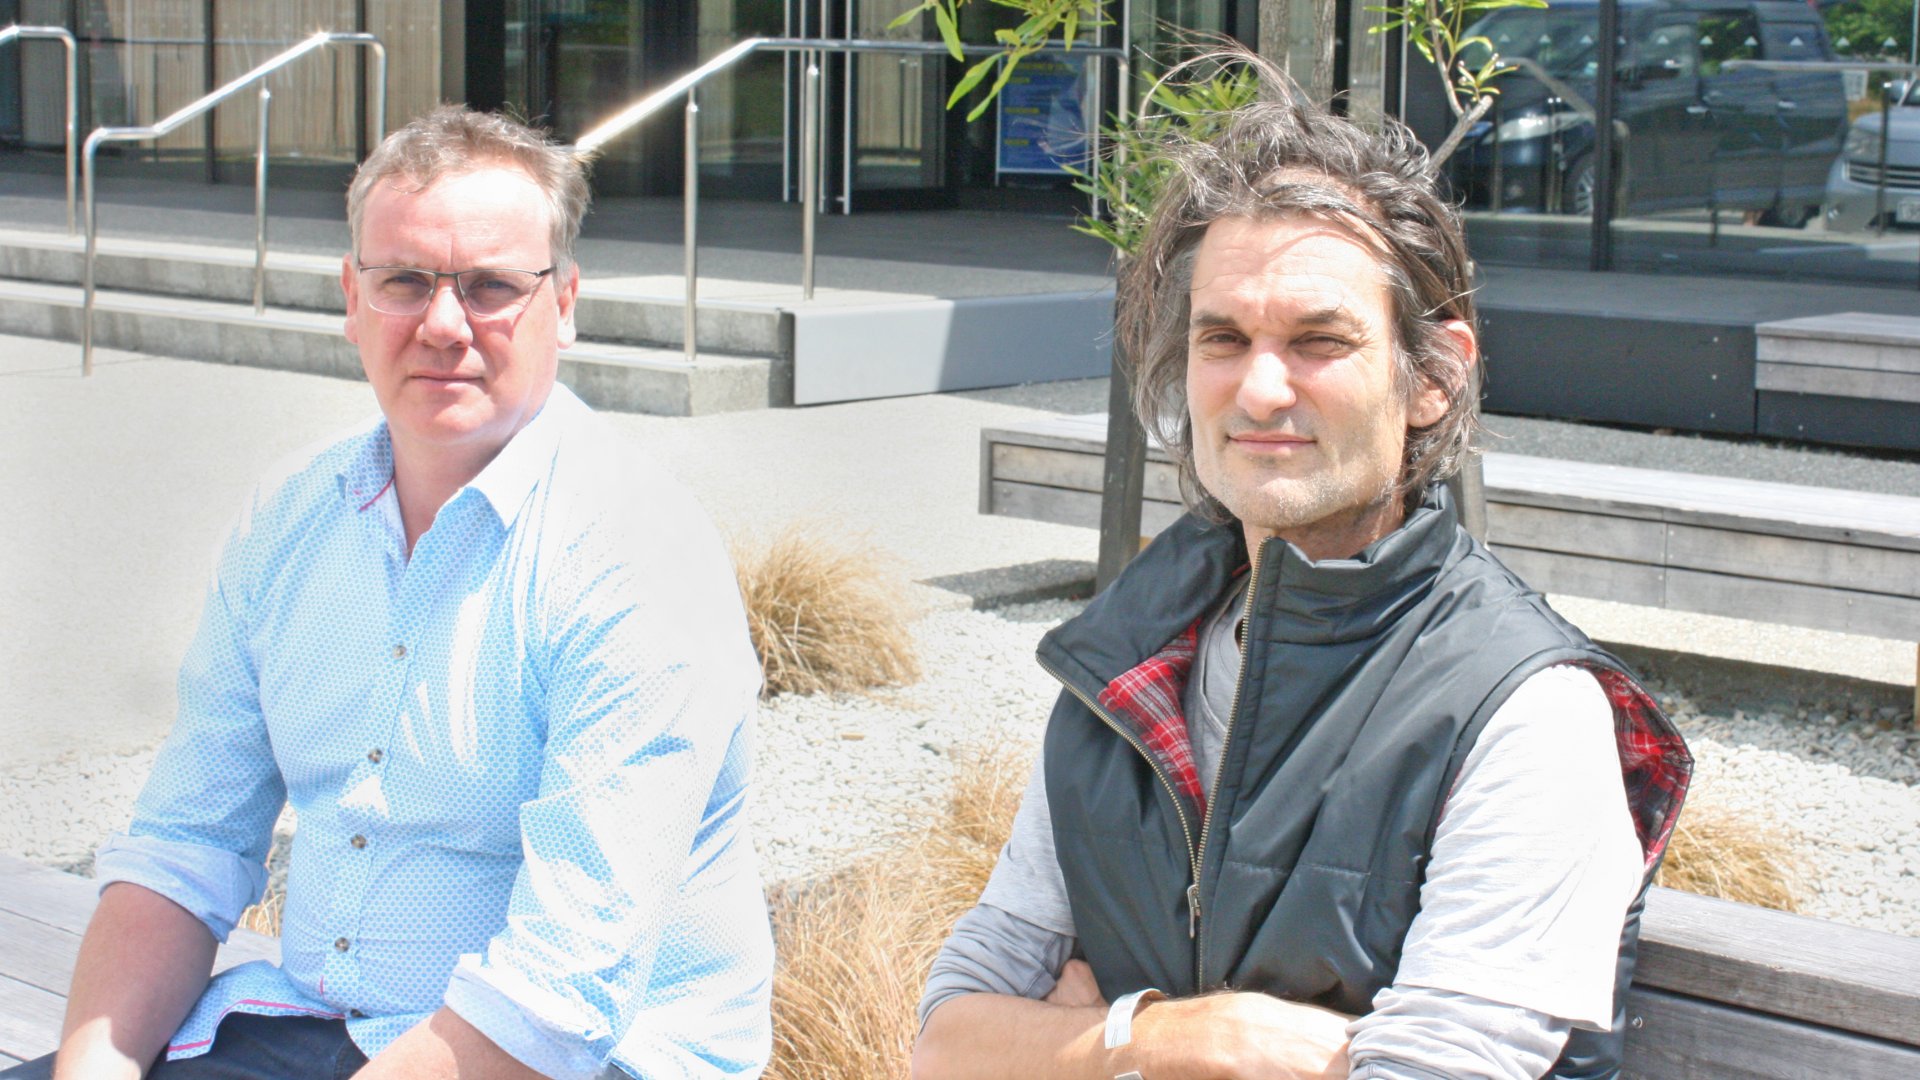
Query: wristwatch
1120 1023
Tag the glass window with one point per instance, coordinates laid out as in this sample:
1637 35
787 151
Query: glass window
1727 35
1560 41
1794 41
1666 50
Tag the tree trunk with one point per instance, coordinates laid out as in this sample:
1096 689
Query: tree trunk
1123 477
1308 63
1275 23
1319 86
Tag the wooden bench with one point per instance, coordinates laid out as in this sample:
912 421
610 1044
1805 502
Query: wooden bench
1731 990
42 914
1782 553
1722 989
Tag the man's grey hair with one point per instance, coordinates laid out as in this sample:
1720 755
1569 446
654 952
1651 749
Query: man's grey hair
1279 157
453 140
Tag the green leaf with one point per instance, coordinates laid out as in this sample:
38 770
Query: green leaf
906 17
972 79
1070 26
948 32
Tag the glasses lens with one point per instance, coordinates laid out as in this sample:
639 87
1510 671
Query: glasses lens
491 292
397 291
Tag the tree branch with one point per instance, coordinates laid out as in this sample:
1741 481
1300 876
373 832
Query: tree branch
1460 126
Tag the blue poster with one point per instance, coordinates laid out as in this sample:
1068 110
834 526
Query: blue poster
1043 117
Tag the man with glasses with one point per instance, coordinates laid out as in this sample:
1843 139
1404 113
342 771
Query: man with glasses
496 663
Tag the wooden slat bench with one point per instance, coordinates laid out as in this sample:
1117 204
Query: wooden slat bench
1783 553
1732 990
42 914
1723 990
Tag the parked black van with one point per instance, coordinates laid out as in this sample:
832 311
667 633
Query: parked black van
1697 133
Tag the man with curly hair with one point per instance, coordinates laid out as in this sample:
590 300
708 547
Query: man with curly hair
1328 791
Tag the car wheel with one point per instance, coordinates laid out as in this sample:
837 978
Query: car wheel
1788 215
1576 192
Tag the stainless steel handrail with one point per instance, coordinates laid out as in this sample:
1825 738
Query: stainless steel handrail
811 105
197 108
60 34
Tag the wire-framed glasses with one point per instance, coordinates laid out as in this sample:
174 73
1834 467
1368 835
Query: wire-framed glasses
407 290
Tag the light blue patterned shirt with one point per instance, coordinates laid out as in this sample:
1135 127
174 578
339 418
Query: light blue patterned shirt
518 759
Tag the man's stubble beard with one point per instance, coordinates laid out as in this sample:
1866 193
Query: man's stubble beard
1291 505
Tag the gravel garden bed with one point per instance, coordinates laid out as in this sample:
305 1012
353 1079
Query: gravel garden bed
841 775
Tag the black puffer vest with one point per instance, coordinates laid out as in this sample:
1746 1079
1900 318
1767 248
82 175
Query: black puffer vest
1365 684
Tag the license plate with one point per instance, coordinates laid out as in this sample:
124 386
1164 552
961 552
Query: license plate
1907 212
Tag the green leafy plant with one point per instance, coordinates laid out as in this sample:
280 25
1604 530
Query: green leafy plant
1438 28
1044 19
1130 176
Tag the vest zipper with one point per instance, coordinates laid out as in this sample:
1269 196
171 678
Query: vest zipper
1186 827
1219 770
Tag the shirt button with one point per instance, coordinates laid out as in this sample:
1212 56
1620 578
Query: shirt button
341 944
374 755
358 841
399 652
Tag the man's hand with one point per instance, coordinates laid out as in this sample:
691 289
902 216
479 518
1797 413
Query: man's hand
142 965
443 1047
1217 1037
1076 988
1241 1037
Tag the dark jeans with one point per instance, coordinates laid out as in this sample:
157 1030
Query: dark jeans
250 1047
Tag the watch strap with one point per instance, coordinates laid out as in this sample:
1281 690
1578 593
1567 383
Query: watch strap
1120 1014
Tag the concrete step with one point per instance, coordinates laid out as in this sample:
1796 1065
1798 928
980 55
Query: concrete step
608 375
1849 377
632 310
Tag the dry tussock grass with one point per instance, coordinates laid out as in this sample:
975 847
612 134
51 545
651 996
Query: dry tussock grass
264 917
1716 851
854 950
825 613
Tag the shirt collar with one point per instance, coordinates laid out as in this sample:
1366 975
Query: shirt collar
367 474
527 457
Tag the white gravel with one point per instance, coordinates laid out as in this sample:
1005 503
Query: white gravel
842 775
1846 786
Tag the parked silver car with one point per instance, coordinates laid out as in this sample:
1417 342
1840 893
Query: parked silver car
1854 202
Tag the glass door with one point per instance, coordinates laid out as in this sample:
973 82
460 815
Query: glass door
893 132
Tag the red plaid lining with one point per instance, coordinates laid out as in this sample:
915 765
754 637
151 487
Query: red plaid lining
1654 760
1147 698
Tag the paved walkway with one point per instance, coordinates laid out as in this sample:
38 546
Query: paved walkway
119 485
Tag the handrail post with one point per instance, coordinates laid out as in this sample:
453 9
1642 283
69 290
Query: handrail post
73 117
379 90
690 316
23 34
1880 185
260 207
809 169
88 221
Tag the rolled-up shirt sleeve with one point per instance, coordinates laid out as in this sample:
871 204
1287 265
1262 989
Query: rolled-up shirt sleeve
204 820
1018 937
634 859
